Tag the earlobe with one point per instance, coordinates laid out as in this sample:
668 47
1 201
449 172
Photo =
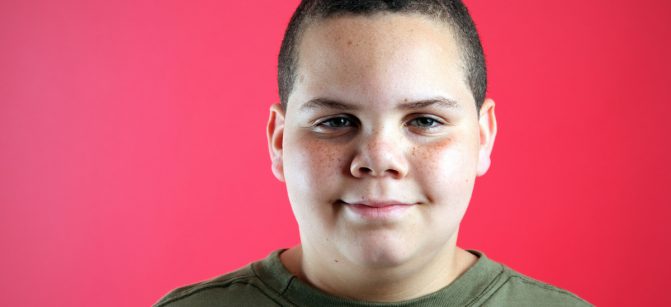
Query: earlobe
275 132
487 124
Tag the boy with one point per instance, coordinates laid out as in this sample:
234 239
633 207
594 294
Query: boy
382 129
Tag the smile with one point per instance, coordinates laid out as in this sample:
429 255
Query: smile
377 210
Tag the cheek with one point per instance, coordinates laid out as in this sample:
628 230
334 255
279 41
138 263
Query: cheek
446 169
309 162
312 171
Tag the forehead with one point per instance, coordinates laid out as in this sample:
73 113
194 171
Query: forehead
379 58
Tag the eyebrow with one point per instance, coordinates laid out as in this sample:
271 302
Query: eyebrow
316 103
436 101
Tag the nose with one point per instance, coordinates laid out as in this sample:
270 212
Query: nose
380 155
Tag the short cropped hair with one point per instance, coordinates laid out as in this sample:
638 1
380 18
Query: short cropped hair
452 12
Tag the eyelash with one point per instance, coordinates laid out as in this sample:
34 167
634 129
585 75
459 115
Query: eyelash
324 123
348 121
434 122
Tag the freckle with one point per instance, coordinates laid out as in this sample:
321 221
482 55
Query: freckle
349 43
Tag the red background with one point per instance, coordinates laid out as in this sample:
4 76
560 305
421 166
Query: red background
133 156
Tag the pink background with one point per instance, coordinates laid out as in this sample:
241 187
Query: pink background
133 156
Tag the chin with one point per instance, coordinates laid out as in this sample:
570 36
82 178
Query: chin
380 252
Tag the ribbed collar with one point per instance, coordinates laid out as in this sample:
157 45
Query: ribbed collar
461 292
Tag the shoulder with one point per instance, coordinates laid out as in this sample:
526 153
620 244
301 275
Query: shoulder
516 289
239 288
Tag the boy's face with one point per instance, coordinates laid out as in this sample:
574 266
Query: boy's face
381 142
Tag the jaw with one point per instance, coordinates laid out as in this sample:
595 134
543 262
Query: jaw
382 277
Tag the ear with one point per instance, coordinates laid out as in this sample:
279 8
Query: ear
487 123
275 131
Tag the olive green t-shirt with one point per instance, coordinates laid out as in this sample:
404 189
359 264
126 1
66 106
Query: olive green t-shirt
268 283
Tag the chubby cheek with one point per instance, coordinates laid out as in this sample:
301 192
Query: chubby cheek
312 168
446 170
314 159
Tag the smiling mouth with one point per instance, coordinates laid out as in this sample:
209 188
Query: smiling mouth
377 210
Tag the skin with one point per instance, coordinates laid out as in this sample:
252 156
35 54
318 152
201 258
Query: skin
380 115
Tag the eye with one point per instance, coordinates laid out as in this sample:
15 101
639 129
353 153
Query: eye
336 122
425 122
336 125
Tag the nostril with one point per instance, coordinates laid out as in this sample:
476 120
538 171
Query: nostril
370 172
365 170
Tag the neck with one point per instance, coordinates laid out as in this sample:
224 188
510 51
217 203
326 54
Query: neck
410 280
